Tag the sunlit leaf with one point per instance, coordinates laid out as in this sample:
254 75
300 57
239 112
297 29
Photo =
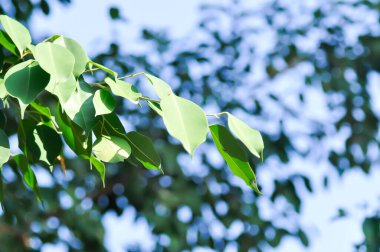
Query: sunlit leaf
123 89
17 32
104 102
56 60
161 87
80 56
63 90
111 149
185 121
5 151
250 137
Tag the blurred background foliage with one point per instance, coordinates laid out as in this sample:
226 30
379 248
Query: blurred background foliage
241 60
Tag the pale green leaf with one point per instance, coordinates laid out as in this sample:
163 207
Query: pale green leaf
112 149
161 87
185 121
5 151
26 80
63 90
80 108
123 89
56 60
3 90
104 102
234 155
251 138
77 51
17 32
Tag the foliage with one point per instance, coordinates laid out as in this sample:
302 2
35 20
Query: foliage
236 60
82 109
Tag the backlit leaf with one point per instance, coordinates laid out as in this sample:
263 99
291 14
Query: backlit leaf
81 58
99 166
123 89
7 43
74 136
185 121
56 60
17 32
28 174
234 155
104 102
251 138
5 151
143 150
111 149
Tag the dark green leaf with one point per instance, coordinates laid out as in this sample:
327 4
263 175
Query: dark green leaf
7 43
74 136
28 174
234 155
99 166
26 80
143 150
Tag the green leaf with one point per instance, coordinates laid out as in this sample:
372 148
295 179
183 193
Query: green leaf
49 143
3 90
155 106
25 81
63 90
251 138
123 89
56 60
28 174
27 140
17 32
234 155
1 190
111 149
7 43
5 151
73 135
81 58
103 68
80 107
104 102
143 150
99 166
185 121
161 87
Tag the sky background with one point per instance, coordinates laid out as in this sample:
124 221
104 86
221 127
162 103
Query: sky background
89 24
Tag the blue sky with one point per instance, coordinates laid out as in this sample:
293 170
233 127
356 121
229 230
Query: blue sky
89 23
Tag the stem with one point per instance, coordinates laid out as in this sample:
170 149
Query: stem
148 99
217 115
131 75
91 70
